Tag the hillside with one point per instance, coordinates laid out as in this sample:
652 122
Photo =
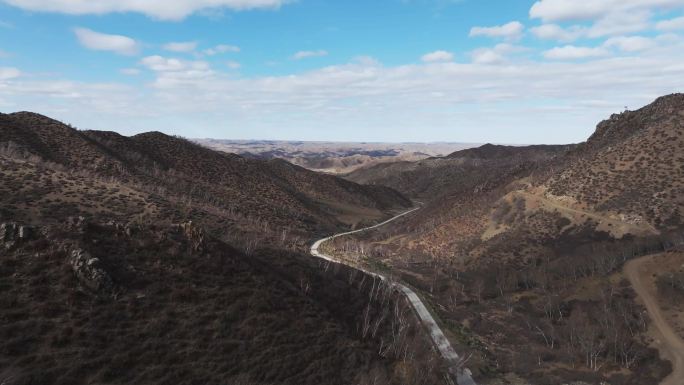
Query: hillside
153 260
532 241
117 303
229 191
462 171
332 157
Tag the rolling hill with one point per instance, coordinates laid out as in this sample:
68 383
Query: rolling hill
153 260
226 189
532 241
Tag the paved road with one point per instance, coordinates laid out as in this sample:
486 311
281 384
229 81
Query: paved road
460 376
669 343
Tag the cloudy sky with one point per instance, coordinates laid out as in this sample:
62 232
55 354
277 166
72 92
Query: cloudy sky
504 71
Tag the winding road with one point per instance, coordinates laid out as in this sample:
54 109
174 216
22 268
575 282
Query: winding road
668 342
460 375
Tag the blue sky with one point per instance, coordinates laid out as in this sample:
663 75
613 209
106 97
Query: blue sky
384 70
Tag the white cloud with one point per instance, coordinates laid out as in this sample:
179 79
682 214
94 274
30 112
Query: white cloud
130 71
630 44
495 55
620 22
172 72
233 65
6 24
571 52
437 56
364 97
182 47
221 48
511 31
159 9
122 45
671 25
574 10
486 56
307 54
558 33
9 73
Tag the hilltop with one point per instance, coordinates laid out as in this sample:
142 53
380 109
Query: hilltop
153 260
168 174
532 240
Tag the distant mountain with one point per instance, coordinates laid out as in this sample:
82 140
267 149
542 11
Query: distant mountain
330 157
462 171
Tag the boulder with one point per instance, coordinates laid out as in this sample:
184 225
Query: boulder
8 232
25 232
90 271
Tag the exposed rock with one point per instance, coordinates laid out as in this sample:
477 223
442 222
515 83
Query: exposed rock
194 233
25 232
90 271
8 232
76 223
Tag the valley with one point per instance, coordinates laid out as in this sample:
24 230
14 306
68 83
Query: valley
325 192
333 157
523 264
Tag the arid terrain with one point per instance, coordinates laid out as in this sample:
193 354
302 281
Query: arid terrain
152 260
122 257
531 240
333 157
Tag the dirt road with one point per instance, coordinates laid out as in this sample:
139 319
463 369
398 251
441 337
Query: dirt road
668 342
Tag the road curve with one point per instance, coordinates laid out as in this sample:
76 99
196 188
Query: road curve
668 342
460 376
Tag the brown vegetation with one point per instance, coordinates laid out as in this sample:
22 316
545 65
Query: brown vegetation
569 217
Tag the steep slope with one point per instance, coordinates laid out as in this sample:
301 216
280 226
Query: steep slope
88 303
526 262
633 166
460 172
228 185
119 263
626 180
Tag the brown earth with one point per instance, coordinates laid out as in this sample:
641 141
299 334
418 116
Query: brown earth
642 273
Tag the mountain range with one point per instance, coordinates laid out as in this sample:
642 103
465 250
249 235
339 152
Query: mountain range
153 259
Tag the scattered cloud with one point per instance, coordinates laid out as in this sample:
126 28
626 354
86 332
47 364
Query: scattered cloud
621 22
130 71
574 10
496 55
98 41
558 33
6 24
366 94
486 56
571 52
172 72
630 44
181 47
221 48
158 9
233 65
437 56
307 54
9 73
511 31
671 25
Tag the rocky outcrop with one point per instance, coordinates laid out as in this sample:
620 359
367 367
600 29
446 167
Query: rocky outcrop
194 234
11 233
90 271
